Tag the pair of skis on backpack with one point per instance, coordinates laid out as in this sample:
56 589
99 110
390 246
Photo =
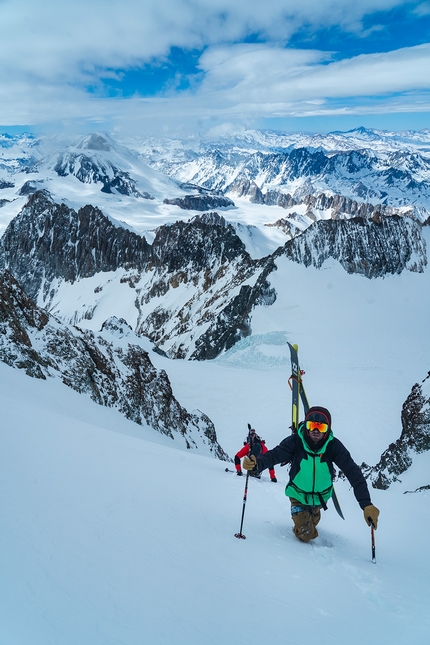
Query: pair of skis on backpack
298 393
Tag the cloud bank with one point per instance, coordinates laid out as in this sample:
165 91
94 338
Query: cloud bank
57 59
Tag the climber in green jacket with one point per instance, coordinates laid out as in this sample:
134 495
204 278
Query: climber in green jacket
312 451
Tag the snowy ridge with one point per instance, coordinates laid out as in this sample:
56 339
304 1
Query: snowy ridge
113 373
194 289
372 167
100 530
362 171
392 243
98 170
191 291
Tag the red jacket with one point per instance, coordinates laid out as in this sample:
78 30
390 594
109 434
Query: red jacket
243 452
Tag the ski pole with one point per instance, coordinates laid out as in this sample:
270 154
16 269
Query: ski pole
253 450
372 535
240 534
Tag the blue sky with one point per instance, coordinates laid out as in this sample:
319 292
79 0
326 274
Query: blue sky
381 32
181 66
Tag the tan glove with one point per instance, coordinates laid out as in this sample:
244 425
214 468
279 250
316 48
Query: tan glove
249 463
371 514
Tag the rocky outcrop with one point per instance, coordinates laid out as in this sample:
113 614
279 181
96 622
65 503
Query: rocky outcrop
367 247
223 285
30 187
91 171
244 187
414 439
340 207
200 202
194 288
48 240
112 367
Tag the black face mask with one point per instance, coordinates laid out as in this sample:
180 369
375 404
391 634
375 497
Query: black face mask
315 445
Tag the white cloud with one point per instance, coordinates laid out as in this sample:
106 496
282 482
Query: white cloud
261 73
71 41
422 9
52 51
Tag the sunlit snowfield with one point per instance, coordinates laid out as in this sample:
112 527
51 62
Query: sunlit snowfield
110 535
109 538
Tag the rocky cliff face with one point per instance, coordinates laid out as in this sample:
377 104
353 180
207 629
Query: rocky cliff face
111 367
111 178
49 243
339 206
206 262
414 439
48 240
200 202
367 247
194 288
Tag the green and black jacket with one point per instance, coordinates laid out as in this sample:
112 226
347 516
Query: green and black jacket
312 470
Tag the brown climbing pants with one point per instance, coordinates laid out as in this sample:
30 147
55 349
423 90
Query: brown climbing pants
305 521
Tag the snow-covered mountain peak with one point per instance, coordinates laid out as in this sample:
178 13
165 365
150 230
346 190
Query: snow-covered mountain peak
96 142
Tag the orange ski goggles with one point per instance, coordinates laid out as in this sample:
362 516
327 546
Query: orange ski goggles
316 425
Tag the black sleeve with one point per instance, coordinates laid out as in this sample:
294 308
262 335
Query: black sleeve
343 460
284 452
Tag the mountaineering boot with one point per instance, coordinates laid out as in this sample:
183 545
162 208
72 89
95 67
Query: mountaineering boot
305 520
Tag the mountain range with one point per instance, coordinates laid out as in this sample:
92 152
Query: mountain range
189 247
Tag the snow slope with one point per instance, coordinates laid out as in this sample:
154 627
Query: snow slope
113 539
110 535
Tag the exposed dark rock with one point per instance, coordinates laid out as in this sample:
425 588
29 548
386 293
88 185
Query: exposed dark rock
96 171
30 187
234 321
396 179
370 248
213 219
417 490
6 184
200 202
48 241
212 259
414 439
275 198
245 187
287 225
195 244
112 374
339 205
